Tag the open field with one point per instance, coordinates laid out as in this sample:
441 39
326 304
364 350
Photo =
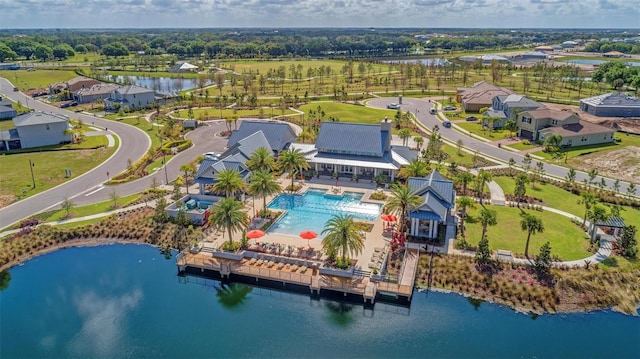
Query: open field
262 67
475 127
91 209
349 113
567 240
205 113
521 146
26 80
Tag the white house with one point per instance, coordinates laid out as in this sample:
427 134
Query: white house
183 66
130 97
35 129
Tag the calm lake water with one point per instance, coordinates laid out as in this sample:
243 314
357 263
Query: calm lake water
597 62
127 301
426 62
161 84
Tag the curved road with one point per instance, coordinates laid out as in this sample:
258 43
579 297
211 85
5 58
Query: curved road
134 143
424 117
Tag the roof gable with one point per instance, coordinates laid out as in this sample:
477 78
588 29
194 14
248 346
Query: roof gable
277 134
38 118
351 138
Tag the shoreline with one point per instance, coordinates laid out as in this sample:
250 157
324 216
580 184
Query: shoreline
96 242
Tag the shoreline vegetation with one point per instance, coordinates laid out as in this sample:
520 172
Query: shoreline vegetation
571 290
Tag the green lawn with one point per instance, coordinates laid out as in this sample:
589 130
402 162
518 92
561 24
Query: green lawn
141 123
157 164
203 113
567 240
464 159
26 80
521 146
622 140
95 208
476 128
263 67
349 113
49 169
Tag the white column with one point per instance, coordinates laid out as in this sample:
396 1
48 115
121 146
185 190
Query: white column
414 226
201 186
375 172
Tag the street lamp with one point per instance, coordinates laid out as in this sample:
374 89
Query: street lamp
166 176
33 179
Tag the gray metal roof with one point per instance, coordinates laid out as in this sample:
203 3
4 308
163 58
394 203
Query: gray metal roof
133 89
351 138
434 183
614 99
613 222
278 134
38 118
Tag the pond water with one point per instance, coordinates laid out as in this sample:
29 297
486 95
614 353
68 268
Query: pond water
160 84
597 62
427 62
127 301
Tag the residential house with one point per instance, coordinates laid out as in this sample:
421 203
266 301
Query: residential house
94 93
538 125
614 104
279 134
544 48
74 85
183 66
35 129
433 218
9 66
479 95
6 109
506 107
356 150
130 97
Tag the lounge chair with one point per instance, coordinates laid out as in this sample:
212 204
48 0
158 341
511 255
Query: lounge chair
303 269
280 265
294 267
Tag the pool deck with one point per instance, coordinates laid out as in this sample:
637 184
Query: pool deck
293 260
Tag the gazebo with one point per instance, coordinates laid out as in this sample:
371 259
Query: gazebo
615 223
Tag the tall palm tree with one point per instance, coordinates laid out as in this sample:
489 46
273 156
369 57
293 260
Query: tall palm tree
263 184
588 200
415 168
404 134
482 179
342 235
188 169
293 160
463 203
228 182
402 201
261 160
488 217
464 178
532 225
229 214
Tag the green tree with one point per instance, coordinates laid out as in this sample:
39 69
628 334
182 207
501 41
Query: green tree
6 53
543 261
552 143
488 217
43 52
188 170
483 178
342 235
520 189
228 182
532 225
597 214
588 200
67 205
160 215
404 134
415 168
402 200
511 126
293 160
483 253
419 140
627 242
463 203
263 184
228 213
261 160
571 176
463 179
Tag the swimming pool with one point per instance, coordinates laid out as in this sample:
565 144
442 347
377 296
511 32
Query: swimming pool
313 209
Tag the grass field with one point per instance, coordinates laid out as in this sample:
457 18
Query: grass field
203 113
48 171
567 240
349 113
91 209
522 146
463 159
624 140
262 67
476 128
26 80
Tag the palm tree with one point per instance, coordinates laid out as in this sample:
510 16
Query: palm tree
419 140
532 225
402 201
464 178
228 182
261 159
463 203
488 217
342 235
263 184
597 214
229 214
588 200
404 134
188 169
415 168
293 160
483 178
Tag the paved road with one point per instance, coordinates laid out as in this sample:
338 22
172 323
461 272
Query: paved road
422 106
133 145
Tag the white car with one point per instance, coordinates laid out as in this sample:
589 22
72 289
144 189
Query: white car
393 106
211 156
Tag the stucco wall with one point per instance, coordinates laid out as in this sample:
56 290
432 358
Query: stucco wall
43 135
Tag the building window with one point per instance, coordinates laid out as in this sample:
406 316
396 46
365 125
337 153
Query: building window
47 127
526 120
554 122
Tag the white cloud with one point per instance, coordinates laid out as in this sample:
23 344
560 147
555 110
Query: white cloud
318 13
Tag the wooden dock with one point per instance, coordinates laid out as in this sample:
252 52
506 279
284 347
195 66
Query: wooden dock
276 270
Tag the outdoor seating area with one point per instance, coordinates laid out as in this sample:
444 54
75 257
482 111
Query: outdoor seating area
287 250
378 258
281 263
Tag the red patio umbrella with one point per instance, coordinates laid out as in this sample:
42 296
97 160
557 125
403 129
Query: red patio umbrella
255 233
308 235
389 218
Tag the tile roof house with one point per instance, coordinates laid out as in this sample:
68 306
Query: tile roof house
6 109
356 150
35 129
479 95
96 92
130 97
433 218
278 134
613 104
537 125
74 85
505 107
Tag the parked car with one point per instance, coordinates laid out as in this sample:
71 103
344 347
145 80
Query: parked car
471 118
450 108
447 124
393 106
433 111
211 156
65 105
15 89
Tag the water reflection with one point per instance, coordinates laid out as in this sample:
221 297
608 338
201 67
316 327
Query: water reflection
232 295
340 313
475 302
5 278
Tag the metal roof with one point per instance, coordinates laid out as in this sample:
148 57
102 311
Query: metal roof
278 134
351 138
613 222
425 215
38 118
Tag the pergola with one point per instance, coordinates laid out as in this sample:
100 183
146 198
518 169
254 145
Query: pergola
616 223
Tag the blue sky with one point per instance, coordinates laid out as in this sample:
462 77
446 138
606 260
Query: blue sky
320 13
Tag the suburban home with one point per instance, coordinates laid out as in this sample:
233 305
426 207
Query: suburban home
433 218
538 125
94 93
183 66
130 97
279 135
615 104
74 85
480 95
614 54
9 66
6 109
505 107
35 129
356 150
544 48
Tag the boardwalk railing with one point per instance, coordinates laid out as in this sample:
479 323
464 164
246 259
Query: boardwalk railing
273 274
395 288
